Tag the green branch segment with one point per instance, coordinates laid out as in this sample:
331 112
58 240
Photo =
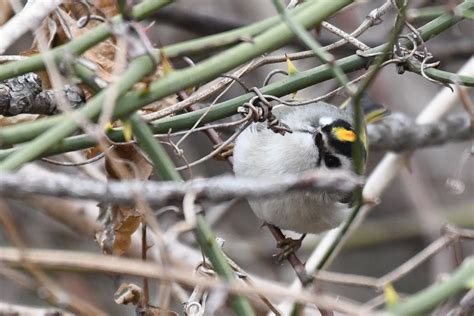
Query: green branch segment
26 131
179 80
139 68
202 231
426 300
80 44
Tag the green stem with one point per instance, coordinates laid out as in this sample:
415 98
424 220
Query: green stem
303 79
426 13
441 75
154 150
79 44
360 128
102 32
138 68
204 235
312 44
25 131
225 38
209 69
207 241
424 301
179 80
93 37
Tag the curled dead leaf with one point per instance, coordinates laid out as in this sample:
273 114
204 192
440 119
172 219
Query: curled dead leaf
128 293
119 222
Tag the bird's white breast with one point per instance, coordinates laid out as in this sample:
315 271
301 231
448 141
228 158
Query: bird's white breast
268 155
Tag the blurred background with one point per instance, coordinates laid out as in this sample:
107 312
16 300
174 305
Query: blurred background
412 211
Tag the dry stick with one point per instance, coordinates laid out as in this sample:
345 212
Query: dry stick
451 235
369 21
15 309
90 262
28 19
248 280
348 37
416 260
55 292
197 96
220 188
346 279
146 293
221 146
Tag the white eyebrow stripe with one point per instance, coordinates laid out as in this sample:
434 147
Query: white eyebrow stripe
325 120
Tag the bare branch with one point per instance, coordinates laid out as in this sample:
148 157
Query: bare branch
14 309
28 19
399 132
83 261
221 188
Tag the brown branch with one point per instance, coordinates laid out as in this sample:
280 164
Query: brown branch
14 309
89 262
54 292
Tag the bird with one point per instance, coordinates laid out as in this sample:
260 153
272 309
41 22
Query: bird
322 137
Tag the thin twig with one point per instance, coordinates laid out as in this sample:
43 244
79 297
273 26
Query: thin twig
218 149
55 293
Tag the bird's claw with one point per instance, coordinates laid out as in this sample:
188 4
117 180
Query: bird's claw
287 247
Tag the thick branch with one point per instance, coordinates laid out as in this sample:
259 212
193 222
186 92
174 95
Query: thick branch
222 188
400 132
24 94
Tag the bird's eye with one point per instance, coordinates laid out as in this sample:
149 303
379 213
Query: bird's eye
332 161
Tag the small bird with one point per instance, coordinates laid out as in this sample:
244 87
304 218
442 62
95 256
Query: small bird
322 137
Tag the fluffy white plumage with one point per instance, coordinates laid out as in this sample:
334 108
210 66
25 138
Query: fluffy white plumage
261 153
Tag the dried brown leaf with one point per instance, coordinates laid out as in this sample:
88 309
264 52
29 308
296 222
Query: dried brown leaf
131 160
128 293
119 222
10 120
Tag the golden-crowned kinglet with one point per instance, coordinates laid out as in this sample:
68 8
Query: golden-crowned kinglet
322 137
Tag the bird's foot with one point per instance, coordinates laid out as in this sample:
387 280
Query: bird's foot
287 246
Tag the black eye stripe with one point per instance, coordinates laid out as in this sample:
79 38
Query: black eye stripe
331 161
343 148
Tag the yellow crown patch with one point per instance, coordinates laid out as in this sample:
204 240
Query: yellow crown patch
344 135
